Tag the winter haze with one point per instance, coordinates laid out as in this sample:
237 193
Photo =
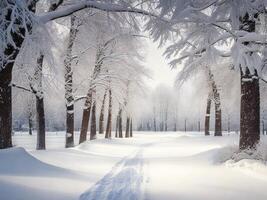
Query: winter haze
133 99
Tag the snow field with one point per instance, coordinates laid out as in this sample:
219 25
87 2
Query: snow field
154 166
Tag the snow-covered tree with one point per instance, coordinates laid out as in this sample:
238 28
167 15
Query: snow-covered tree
206 30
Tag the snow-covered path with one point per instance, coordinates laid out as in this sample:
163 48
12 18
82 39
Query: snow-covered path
124 181
182 167
150 166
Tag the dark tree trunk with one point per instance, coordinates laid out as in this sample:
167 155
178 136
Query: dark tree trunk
250 97
5 107
86 117
120 124
88 101
40 117
6 75
117 126
131 128
30 124
155 125
207 117
101 117
250 111
217 102
166 126
218 112
93 122
109 121
218 119
40 114
127 132
69 86
185 128
70 126
199 126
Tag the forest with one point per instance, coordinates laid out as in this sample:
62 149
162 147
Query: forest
133 99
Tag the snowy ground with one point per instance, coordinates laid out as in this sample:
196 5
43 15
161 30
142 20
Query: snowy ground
150 166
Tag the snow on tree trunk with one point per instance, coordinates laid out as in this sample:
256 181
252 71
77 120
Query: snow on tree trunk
101 117
69 86
127 132
250 97
250 111
88 101
93 122
117 126
218 115
86 117
40 114
207 117
10 52
5 107
109 121
215 96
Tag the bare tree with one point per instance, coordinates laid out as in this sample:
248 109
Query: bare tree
69 84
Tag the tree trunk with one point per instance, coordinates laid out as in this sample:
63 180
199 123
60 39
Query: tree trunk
155 125
117 127
131 128
40 117
109 121
93 122
30 124
250 97
127 132
218 115
5 107
207 117
40 114
120 124
250 111
88 101
86 117
101 117
69 86
6 66
218 112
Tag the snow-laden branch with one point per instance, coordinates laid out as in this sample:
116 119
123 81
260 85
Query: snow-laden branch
109 7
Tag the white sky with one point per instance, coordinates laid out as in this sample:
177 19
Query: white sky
156 62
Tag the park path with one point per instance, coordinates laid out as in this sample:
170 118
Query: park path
178 168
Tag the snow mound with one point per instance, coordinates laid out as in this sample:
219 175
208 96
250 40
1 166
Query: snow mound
233 154
17 161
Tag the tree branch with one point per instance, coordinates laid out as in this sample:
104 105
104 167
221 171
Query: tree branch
21 87
109 7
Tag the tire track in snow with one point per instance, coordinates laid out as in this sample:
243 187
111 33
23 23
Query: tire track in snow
123 182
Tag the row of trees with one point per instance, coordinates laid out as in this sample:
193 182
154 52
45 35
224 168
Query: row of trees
108 82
